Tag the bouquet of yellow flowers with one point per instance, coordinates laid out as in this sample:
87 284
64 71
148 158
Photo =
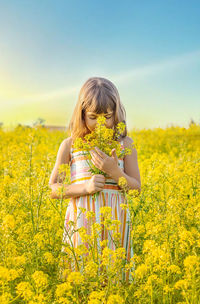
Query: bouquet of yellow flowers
104 139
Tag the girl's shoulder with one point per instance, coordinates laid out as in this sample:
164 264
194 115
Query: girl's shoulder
127 141
66 148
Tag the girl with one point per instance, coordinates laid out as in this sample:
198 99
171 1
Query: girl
98 96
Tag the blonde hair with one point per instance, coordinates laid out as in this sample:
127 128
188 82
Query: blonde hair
97 94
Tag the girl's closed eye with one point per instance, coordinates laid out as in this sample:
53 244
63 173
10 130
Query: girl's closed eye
95 117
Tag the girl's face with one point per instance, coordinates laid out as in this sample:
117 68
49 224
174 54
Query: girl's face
91 119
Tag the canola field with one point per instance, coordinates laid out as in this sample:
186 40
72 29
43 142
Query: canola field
165 224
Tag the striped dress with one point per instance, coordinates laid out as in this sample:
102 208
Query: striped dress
109 196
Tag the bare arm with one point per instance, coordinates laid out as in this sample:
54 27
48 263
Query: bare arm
72 190
56 181
131 169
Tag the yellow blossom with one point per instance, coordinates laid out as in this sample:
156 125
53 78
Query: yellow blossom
106 211
104 243
90 215
107 254
5 298
9 222
121 127
115 299
173 269
101 120
91 269
40 279
63 289
83 210
83 234
191 262
181 284
124 206
141 271
75 278
122 182
24 289
96 297
49 257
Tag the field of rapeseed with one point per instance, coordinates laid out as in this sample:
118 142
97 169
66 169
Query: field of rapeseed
165 224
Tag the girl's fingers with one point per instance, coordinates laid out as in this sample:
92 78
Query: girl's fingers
99 184
99 188
101 153
96 156
101 178
96 162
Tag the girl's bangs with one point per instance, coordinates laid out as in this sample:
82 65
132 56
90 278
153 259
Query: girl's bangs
101 103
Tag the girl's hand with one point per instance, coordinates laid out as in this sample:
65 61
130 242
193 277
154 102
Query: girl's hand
95 184
104 162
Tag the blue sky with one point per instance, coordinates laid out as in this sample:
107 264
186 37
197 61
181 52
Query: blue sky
149 49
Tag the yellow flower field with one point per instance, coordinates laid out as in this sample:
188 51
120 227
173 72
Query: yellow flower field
165 224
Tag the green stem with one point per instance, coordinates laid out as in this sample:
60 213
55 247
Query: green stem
72 249
30 188
13 300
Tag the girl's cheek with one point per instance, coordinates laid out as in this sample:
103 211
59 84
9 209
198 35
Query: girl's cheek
109 124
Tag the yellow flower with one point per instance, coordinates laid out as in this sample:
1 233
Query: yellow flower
5 298
80 249
120 127
39 299
133 192
9 222
141 271
96 227
120 253
181 284
106 255
9 274
63 289
191 262
40 279
83 210
83 234
91 269
78 143
90 215
64 168
128 151
103 243
153 278
24 289
49 257
14 273
124 206
39 238
173 269
122 182
106 211
19 260
75 278
115 299
167 289
117 236
101 120
96 297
